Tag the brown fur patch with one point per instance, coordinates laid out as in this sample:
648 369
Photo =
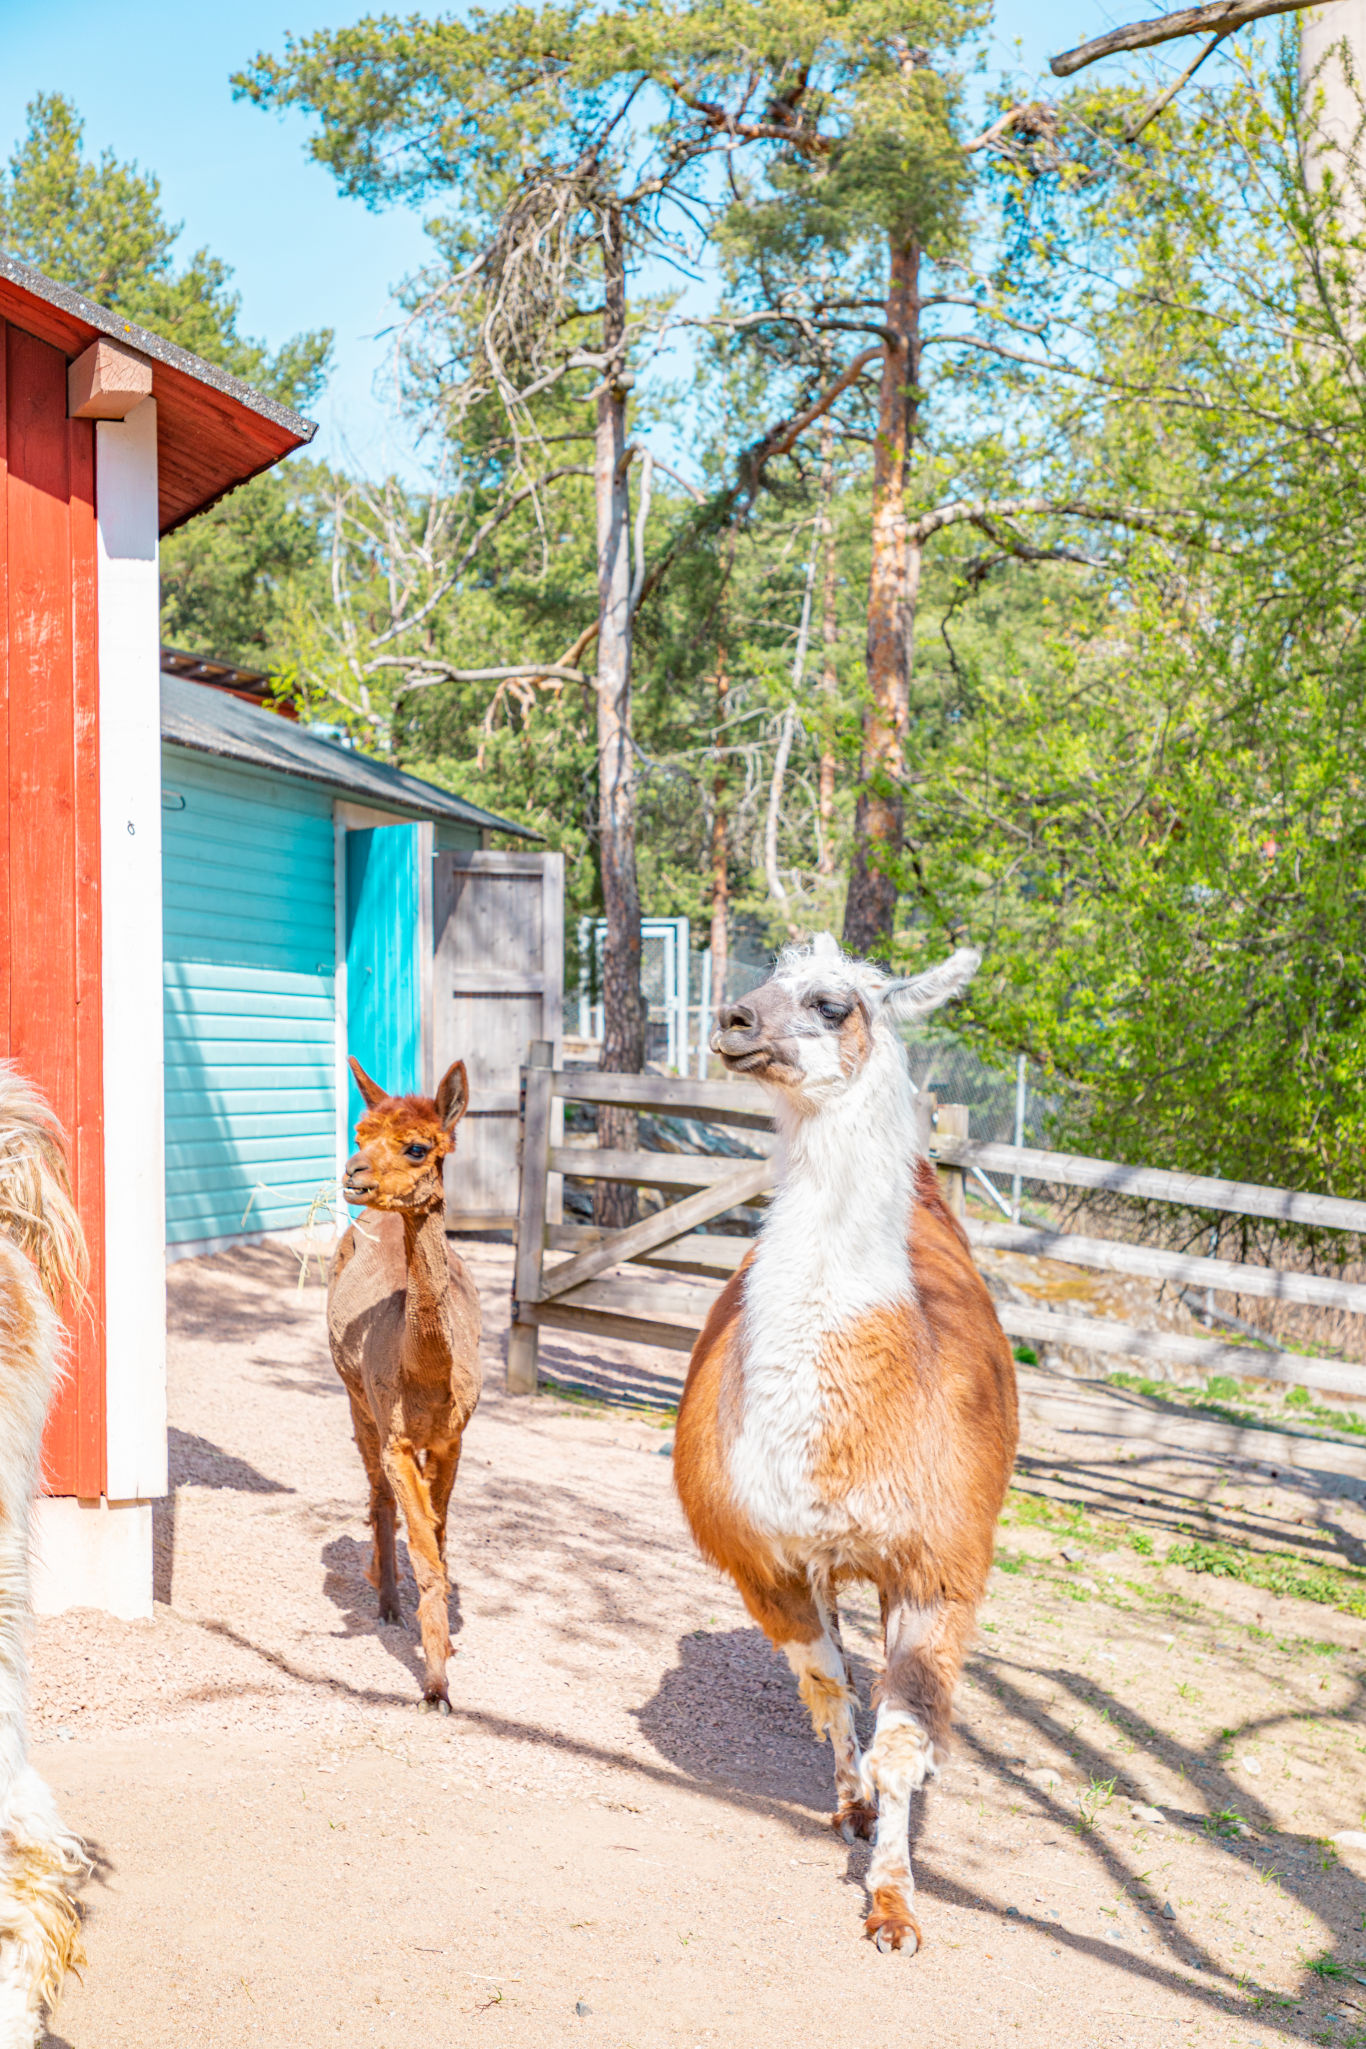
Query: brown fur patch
826 1700
856 1039
893 1919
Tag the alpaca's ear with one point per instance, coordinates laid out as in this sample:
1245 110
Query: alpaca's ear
371 1090
453 1095
921 994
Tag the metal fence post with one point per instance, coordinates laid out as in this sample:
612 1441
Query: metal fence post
1017 1185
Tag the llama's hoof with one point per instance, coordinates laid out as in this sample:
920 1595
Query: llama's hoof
434 1704
389 1611
892 1924
855 1820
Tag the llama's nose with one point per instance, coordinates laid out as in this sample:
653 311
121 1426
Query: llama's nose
739 1017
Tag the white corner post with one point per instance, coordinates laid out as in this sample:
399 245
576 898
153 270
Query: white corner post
99 1554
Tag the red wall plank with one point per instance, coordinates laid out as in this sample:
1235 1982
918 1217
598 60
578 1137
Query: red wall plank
52 802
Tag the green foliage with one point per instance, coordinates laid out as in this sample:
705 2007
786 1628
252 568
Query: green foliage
1152 813
98 225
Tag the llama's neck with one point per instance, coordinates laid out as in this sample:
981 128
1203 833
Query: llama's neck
428 1314
836 1239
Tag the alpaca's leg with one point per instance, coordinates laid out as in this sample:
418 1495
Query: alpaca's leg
382 1571
442 1467
414 1492
924 1652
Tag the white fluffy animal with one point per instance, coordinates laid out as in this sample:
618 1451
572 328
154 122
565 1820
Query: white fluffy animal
42 1259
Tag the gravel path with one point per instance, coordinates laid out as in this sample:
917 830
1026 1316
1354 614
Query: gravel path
618 1837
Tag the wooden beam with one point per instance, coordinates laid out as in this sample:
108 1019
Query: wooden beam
106 382
1155 1184
1207 1355
742 1103
1112 1255
653 1170
680 1217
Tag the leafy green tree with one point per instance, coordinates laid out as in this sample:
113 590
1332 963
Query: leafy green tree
98 225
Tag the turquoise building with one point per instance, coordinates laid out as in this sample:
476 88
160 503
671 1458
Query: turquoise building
297 927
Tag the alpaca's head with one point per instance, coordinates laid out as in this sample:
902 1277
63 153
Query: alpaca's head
401 1142
812 1030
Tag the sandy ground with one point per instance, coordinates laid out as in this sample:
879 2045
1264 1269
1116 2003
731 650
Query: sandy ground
618 1837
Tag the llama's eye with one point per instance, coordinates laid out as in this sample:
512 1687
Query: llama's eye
833 1013
416 1152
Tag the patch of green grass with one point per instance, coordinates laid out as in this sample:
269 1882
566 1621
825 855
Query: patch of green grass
1026 1355
1327 1966
1140 1541
1093 1802
1008 1563
1230 1399
1275 1572
1041 1512
1227 1822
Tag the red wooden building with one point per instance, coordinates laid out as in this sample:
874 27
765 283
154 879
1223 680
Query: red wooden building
109 437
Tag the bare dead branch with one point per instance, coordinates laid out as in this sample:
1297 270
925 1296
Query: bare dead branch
1222 16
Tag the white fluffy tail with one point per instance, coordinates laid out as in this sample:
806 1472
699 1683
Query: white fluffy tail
42 1259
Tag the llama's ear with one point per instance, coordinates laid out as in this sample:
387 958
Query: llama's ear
371 1090
826 948
921 994
453 1095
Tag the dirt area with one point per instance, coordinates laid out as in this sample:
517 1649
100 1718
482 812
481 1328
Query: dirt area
618 1838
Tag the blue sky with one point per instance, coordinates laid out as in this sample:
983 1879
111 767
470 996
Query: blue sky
151 79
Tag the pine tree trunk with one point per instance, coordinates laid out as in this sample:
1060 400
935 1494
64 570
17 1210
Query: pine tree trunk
830 635
720 842
879 821
623 1050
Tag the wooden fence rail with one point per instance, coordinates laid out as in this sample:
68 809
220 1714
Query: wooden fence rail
654 1281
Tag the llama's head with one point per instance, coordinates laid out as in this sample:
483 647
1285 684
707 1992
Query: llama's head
812 1030
401 1142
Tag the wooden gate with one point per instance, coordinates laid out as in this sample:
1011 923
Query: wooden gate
654 1282
497 986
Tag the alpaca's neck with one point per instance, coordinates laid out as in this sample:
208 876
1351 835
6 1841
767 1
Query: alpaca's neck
428 1316
837 1230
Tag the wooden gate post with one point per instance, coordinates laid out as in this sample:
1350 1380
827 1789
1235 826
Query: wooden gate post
523 1338
951 1120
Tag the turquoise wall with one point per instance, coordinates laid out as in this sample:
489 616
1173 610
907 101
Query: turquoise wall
250 944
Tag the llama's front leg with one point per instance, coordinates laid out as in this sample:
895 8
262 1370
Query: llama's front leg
433 1606
825 1685
924 1652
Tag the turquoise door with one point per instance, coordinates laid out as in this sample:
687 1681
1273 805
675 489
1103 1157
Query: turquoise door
383 968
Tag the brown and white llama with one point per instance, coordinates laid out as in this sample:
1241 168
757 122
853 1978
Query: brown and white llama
42 1261
850 1410
403 1323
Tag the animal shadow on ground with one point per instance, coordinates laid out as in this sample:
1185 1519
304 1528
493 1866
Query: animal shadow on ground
195 1462
729 1713
350 1592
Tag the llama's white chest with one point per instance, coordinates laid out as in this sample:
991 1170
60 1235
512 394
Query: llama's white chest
805 1286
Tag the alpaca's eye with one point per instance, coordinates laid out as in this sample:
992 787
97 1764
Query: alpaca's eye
417 1152
833 1013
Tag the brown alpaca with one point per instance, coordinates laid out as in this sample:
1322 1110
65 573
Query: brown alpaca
403 1323
850 1412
